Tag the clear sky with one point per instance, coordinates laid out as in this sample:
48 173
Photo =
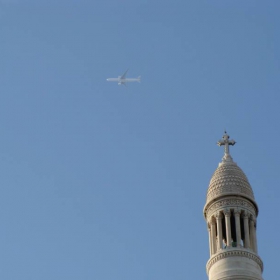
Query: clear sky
105 182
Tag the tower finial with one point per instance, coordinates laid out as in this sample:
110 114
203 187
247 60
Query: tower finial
226 142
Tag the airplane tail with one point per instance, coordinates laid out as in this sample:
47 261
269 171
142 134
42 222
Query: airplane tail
139 79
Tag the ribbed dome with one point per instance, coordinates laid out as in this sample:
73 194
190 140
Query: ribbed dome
229 179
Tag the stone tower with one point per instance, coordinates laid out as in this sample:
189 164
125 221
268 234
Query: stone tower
231 215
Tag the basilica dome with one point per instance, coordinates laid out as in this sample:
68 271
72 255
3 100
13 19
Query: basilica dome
229 179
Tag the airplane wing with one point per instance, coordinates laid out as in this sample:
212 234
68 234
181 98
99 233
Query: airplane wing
124 74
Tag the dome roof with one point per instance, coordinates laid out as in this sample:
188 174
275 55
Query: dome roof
229 179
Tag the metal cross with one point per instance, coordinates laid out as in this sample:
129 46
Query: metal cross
226 142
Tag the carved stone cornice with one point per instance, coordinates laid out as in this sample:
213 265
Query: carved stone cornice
233 253
230 202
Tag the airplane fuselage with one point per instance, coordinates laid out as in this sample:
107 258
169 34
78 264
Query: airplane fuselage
121 81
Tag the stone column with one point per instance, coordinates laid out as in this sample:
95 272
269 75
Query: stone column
253 235
213 233
237 226
219 229
251 223
228 227
210 241
246 230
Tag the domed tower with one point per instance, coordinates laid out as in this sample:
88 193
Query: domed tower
231 215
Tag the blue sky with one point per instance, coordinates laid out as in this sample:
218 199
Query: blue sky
106 182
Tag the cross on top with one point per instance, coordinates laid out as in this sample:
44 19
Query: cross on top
226 142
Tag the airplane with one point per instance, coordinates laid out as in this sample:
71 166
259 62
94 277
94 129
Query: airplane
122 80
